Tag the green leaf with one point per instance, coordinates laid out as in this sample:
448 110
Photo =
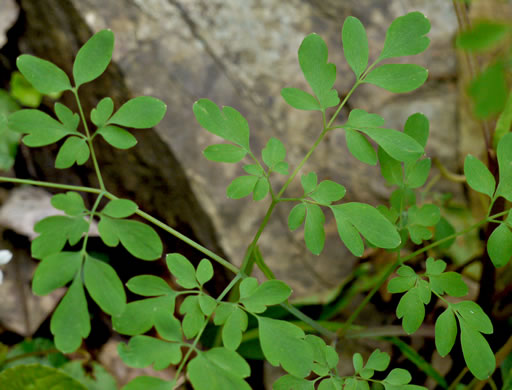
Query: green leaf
489 91
426 215
74 149
355 45
314 233
148 382
477 353
289 382
273 153
483 36
71 203
390 168
478 176
398 78
504 153
357 362
24 92
309 182
499 245
233 329
42 129
194 318
319 74
398 376
120 208
378 361
44 76
270 292
261 189
37 377
69 119
138 238
370 223
282 168
412 310
103 111
149 286
248 286
117 137
361 119
97 378
435 267
227 153
207 304
182 269
69 334
443 230
55 271
283 344
417 173
254 169
360 147
93 57
449 282
417 127
297 216
474 316
398 145
401 284
219 369
167 326
142 351
299 99
141 112
241 187
504 123
328 191
406 36
446 332
204 271
104 286
228 123
349 235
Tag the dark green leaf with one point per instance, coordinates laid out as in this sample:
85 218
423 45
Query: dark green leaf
449 282
417 127
97 378
183 270
142 351
93 57
477 353
328 191
120 208
70 321
55 271
227 153
314 233
412 310
478 176
443 230
289 382
37 377
319 74
55 231
141 112
300 99
397 144
499 246
270 292
117 137
68 118
241 187
297 216
505 164
70 202
355 45
228 123
103 111
194 317
360 147
104 286
74 149
349 235
149 286
46 77
204 271
219 369
207 304
446 332
406 36
390 168
482 36
474 316
398 77
42 129
283 344
148 382
370 223
489 91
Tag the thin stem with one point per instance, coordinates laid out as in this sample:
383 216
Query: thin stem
89 140
314 324
91 218
342 104
457 380
49 185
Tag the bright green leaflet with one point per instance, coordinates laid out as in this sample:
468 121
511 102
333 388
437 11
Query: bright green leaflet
227 153
143 351
148 382
483 36
140 113
46 77
505 165
55 271
398 78
355 45
489 91
73 150
499 246
37 377
117 137
478 176
300 99
71 203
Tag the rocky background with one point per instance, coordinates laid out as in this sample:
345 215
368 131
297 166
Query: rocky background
241 54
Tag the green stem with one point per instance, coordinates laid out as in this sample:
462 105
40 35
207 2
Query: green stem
91 218
49 185
342 104
89 140
307 320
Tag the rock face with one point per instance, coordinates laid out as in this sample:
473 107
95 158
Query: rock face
241 54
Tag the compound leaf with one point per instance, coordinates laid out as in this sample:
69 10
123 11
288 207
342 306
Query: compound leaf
44 76
141 112
355 45
398 78
478 176
93 57
406 36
